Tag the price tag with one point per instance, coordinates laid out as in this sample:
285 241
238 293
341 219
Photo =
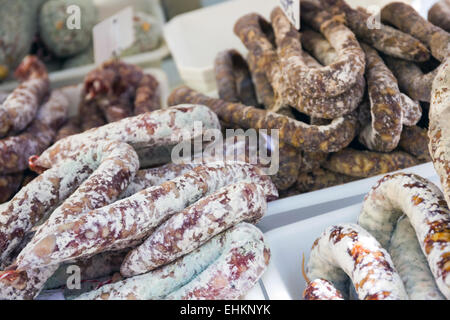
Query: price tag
113 35
292 10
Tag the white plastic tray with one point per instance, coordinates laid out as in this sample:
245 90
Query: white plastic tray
195 38
283 280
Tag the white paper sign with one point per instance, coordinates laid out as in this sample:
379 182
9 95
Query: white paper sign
292 10
113 35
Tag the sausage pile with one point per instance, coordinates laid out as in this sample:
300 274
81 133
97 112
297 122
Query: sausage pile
94 205
347 99
400 248
29 117
114 91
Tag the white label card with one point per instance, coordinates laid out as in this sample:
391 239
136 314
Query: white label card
113 35
292 10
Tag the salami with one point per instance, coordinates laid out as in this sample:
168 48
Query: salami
330 138
384 38
407 19
383 134
411 263
9 184
233 78
320 289
320 179
250 29
20 107
423 203
439 14
150 130
331 80
347 250
363 164
189 229
116 226
16 150
239 251
438 129
112 164
414 140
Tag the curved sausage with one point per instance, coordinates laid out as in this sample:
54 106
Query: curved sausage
333 137
116 226
407 19
384 38
190 228
411 263
241 248
347 250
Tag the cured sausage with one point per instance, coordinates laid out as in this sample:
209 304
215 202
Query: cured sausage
333 137
233 78
250 29
189 229
423 203
240 248
328 81
411 264
384 38
363 164
116 226
438 128
320 289
404 17
20 107
383 134
9 184
347 250
106 166
16 150
150 130
319 179
439 14
414 140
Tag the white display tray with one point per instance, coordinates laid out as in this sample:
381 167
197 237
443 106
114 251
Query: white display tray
283 280
195 38
105 9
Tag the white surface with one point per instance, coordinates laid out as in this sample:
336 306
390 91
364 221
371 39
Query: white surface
283 279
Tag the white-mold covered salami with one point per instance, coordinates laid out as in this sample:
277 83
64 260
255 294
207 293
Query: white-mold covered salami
321 289
439 129
411 264
347 250
153 129
124 222
225 267
424 204
20 107
190 228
